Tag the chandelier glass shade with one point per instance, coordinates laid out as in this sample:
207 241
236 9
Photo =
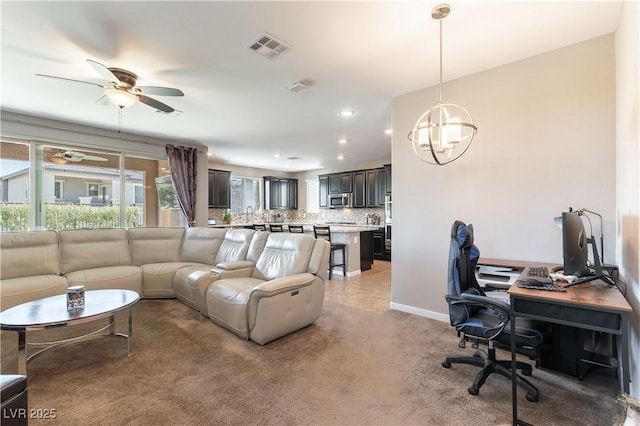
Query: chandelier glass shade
120 97
445 131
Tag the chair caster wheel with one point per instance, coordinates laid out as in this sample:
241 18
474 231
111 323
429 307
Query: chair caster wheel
446 364
531 397
473 390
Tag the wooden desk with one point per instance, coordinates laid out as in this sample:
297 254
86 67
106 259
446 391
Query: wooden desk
591 306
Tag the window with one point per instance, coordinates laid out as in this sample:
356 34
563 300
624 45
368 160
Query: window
245 194
62 187
313 196
58 189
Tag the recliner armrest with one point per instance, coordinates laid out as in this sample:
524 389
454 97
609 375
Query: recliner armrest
239 264
280 285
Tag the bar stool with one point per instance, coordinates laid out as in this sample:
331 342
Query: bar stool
275 228
260 227
321 231
297 229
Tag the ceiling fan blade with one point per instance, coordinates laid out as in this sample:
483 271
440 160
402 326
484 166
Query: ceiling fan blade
159 91
103 101
93 158
155 104
70 79
103 71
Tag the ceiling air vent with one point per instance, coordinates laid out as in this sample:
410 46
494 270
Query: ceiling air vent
269 46
294 158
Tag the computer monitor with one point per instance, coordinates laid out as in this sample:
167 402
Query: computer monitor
575 250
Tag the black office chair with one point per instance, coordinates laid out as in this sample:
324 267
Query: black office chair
297 229
480 318
322 231
275 228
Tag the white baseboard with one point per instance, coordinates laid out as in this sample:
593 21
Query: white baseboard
420 312
349 273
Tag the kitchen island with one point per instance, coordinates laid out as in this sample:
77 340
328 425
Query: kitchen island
358 241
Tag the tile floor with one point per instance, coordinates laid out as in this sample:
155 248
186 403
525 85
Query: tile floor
371 290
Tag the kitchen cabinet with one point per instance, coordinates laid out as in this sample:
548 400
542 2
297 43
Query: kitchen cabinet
280 193
340 183
366 250
359 189
324 191
379 244
376 187
219 189
387 176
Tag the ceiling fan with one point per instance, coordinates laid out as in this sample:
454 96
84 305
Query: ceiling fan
63 157
121 88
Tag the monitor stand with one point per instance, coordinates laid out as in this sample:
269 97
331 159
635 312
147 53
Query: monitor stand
599 274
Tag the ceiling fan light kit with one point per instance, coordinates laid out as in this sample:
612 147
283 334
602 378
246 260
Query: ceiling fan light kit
121 88
445 131
120 97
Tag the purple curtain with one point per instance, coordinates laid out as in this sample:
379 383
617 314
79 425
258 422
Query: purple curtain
182 163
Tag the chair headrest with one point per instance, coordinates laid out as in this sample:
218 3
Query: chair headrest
462 233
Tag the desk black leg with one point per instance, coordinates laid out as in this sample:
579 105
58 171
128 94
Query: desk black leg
514 373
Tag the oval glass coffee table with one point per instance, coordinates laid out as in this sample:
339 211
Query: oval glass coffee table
51 312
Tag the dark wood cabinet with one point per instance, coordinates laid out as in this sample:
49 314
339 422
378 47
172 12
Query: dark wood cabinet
280 193
324 191
366 250
376 187
340 183
387 177
219 189
359 189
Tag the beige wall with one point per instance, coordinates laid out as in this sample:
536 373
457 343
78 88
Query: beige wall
546 141
627 50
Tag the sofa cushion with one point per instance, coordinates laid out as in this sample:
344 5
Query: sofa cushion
235 245
29 253
155 245
14 291
201 245
93 248
284 254
182 288
158 278
118 277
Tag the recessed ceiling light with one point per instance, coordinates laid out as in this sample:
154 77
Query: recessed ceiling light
347 113
342 141
277 155
210 154
388 131
340 157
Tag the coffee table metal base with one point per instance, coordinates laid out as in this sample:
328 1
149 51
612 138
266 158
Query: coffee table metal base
23 344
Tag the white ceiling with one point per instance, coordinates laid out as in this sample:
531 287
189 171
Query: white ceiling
359 55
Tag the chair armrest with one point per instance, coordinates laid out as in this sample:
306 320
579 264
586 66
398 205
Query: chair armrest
276 287
281 285
239 264
500 309
232 273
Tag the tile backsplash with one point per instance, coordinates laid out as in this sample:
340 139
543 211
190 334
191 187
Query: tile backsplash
358 216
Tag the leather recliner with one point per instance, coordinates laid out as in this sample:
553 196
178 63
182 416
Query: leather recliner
282 293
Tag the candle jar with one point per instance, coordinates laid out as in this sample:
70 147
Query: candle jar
75 297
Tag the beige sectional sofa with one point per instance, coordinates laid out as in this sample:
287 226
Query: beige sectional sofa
258 285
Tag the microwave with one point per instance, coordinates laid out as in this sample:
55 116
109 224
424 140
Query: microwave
339 201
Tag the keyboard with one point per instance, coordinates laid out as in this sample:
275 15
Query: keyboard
538 272
535 285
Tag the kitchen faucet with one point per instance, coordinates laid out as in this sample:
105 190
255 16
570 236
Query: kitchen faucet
247 218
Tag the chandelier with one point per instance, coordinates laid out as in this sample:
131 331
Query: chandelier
444 132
